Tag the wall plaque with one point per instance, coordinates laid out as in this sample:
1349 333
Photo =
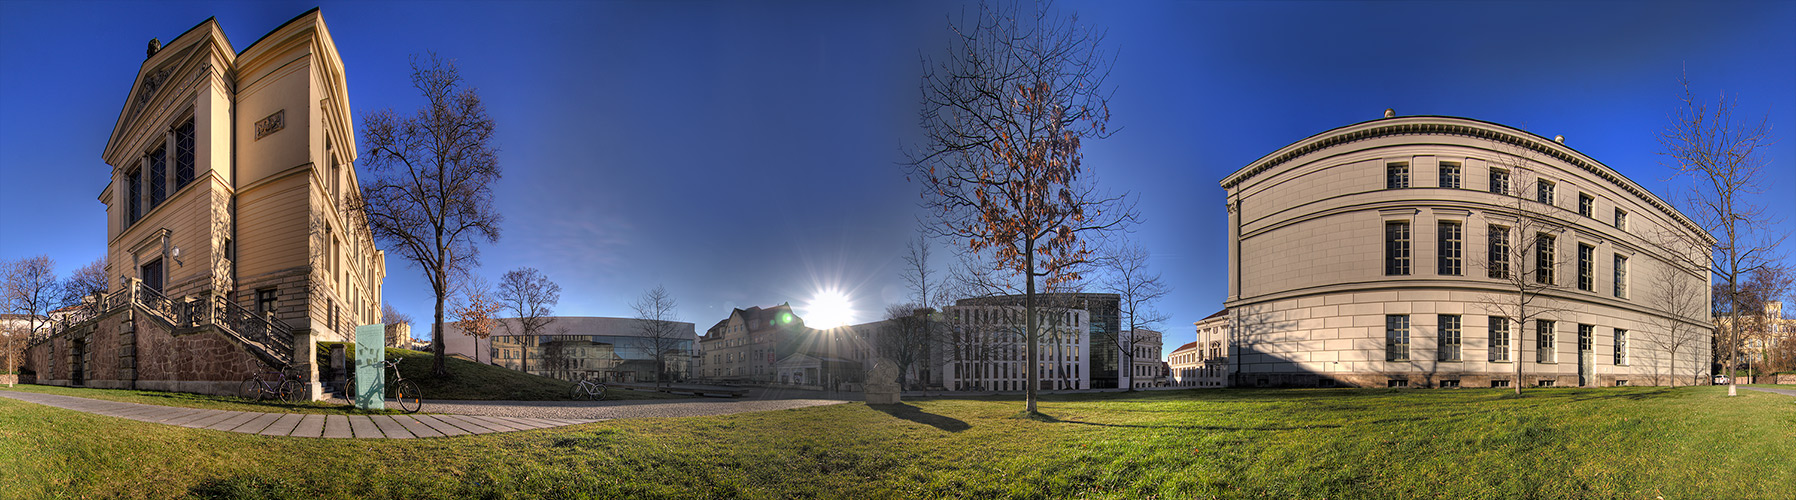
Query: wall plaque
273 123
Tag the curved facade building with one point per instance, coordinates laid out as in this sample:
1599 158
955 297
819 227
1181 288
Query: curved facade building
1393 252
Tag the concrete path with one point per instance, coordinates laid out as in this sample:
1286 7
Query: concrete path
298 425
1786 392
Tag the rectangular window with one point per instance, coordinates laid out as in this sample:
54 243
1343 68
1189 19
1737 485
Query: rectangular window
1396 175
1621 219
1397 382
158 178
1621 346
1450 175
1396 248
1543 191
1396 337
1621 276
1452 241
1499 383
1544 259
1545 382
1449 337
1499 181
135 191
1586 267
1586 205
1499 338
1586 338
151 274
265 301
1449 384
183 155
1499 252
1544 350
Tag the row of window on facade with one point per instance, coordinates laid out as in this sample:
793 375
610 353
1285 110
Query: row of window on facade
151 173
1450 259
1396 176
1450 339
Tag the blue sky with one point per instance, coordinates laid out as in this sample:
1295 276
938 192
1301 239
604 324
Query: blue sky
746 153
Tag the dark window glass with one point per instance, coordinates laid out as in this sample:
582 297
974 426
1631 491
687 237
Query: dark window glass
158 177
1396 248
151 274
135 192
1544 259
1396 337
1499 181
1452 241
1586 267
183 155
1449 337
1621 346
1585 337
1499 338
1543 192
1586 205
1544 349
1450 175
1499 252
1621 277
1396 176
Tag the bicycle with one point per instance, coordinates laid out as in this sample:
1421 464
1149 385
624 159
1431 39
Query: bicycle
285 387
404 392
589 390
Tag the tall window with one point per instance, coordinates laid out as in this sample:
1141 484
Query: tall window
1586 337
1499 181
151 274
1544 350
1396 337
1396 175
1396 248
1544 259
158 177
265 301
1543 191
1621 219
135 178
1450 175
1499 338
1621 346
1586 205
1499 252
1449 337
1452 241
1586 267
1621 276
183 155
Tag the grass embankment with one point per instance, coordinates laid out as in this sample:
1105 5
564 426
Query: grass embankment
1555 443
478 381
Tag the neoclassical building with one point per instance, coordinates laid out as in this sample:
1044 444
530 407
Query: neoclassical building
227 234
1381 254
1203 362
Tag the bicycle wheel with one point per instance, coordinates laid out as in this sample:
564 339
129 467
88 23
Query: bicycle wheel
409 397
577 393
251 389
289 391
598 393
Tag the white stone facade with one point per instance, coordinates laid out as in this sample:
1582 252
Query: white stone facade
1205 361
985 350
1145 354
1315 229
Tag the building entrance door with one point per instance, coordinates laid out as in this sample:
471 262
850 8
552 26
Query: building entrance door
1585 332
76 372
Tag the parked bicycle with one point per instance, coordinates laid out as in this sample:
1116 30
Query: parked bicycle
404 392
589 390
283 387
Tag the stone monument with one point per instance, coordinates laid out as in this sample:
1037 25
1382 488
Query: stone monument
882 383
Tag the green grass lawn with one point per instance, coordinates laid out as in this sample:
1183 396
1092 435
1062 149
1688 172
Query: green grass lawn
1473 443
186 400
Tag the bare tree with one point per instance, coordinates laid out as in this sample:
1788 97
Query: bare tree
1137 290
1761 314
658 326
1522 253
530 298
431 199
474 311
28 288
1721 156
392 319
919 343
1678 294
85 283
1005 114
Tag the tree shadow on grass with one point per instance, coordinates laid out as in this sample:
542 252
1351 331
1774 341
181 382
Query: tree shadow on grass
1209 427
915 414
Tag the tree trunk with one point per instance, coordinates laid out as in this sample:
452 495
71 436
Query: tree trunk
1030 334
437 367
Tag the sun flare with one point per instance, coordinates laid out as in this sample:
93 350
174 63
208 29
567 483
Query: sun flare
829 309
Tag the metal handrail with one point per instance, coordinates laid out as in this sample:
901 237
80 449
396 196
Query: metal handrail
271 337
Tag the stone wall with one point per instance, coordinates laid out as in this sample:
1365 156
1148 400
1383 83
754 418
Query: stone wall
119 353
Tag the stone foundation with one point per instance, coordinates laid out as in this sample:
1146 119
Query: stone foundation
130 349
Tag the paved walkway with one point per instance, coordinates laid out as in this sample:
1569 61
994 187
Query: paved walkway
298 425
1786 392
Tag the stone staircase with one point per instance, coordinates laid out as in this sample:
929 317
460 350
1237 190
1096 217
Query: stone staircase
268 338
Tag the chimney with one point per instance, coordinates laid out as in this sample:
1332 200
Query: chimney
155 45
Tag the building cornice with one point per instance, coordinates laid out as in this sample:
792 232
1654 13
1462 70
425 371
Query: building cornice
1465 127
